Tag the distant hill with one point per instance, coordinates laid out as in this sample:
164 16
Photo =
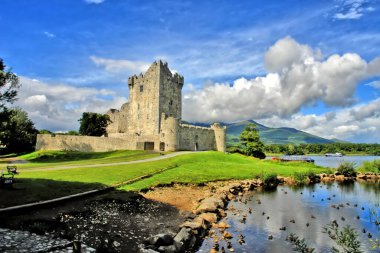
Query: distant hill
282 135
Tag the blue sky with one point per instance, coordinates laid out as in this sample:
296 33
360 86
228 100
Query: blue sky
226 50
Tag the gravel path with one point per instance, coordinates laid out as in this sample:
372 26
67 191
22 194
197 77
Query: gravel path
111 164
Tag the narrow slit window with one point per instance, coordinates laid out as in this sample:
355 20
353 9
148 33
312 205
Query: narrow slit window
141 88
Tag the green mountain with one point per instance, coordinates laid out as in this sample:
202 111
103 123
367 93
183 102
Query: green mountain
282 135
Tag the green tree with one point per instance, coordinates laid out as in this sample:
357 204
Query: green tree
72 132
18 133
9 83
44 131
93 124
250 140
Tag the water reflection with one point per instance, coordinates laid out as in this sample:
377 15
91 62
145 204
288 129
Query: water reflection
304 211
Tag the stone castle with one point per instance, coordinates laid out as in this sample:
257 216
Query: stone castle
150 120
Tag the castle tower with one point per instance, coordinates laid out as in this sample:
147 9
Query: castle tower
220 137
157 91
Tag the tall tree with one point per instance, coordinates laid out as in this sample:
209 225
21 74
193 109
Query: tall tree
9 83
250 139
18 133
93 124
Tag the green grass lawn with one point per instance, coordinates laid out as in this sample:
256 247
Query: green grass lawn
213 166
43 159
191 168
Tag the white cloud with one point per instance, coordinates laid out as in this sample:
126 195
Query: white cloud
374 84
49 34
58 107
94 1
298 77
112 65
360 123
352 9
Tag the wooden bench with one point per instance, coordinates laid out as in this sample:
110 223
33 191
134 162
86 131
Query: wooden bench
6 179
12 169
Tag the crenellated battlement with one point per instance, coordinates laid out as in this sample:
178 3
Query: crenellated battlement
154 111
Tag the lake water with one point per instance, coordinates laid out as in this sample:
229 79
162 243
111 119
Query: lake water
333 162
303 211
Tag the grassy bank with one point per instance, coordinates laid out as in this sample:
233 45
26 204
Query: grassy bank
214 166
51 159
32 185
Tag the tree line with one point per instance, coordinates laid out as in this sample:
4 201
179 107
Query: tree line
250 144
314 148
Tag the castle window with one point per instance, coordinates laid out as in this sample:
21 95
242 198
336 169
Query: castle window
171 102
141 88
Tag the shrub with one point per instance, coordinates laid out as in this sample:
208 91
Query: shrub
270 180
346 238
371 166
235 149
300 177
347 169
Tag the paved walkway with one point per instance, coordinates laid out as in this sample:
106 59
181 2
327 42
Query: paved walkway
110 164
24 241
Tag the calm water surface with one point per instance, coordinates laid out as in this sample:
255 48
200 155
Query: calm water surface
333 162
275 209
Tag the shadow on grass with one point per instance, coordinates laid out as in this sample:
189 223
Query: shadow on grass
126 218
27 190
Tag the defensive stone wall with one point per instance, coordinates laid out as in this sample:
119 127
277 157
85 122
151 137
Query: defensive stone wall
150 120
82 143
196 138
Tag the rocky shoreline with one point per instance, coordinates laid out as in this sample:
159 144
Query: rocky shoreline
211 209
129 222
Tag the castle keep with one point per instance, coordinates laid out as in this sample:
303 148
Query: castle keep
150 120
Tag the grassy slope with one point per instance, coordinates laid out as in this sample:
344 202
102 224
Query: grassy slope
213 166
190 168
41 159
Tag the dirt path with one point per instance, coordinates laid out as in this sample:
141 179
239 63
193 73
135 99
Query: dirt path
109 164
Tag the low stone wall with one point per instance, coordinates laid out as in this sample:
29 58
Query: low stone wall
82 143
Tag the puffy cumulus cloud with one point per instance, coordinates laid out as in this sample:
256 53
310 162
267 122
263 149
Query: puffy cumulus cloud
298 76
359 123
286 52
112 65
58 107
369 110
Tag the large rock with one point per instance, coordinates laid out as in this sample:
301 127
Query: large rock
183 235
192 224
160 240
209 217
210 204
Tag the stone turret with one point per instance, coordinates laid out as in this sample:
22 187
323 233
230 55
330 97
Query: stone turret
220 137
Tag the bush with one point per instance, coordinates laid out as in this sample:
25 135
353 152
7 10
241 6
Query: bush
270 180
371 166
347 169
300 177
235 149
